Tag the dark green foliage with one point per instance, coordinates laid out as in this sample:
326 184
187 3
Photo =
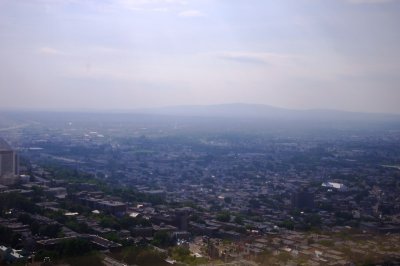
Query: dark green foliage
149 257
37 193
112 237
87 260
92 258
179 252
287 224
228 200
57 216
110 222
224 217
344 215
16 201
313 220
183 255
75 247
238 220
141 256
253 203
327 243
42 254
74 207
77 226
25 218
127 194
326 206
66 249
162 239
50 230
8 237
127 222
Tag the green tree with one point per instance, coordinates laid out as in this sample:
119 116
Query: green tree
162 239
223 216
50 230
238 219
149 257
75 247
228 200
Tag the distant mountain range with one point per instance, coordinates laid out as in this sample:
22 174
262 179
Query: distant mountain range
202 117
260 111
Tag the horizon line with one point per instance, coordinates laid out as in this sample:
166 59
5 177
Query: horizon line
145 110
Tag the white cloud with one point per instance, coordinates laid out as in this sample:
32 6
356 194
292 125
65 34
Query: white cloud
191 13
370 1
257 58
146 2
50 51
320 67
155 5
106 6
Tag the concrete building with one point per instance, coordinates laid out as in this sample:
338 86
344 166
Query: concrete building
114 207
303 199
8 163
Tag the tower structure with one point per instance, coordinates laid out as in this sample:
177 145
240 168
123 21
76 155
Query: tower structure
9 165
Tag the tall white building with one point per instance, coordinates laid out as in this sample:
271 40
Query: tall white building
8 163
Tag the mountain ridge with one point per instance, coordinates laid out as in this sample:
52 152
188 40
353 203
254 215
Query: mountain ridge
244 110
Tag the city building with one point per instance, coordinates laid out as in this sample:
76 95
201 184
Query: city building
8 163
303 199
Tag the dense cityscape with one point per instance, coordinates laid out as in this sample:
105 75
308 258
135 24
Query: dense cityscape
121 189
199 132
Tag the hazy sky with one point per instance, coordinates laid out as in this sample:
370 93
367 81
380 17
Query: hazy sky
124 54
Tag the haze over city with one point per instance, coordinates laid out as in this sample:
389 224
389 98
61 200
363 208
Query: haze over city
199 132
128 54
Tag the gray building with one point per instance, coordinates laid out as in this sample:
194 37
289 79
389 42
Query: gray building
303 199
8 162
